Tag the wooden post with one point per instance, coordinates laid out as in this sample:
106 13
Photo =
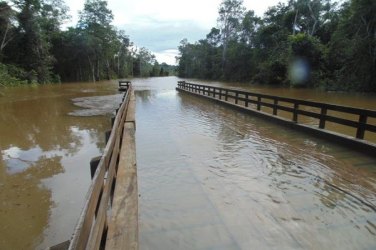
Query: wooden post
246 101
236 97
295 115
112 120
323 117
107 135
361 126
275 106
94 164
220 94
226 97
258 103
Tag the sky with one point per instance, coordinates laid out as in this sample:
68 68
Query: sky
160 25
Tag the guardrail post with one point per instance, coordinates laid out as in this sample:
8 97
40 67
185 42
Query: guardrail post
361 127
295 115
94 165
275 107
226 97
258 103
112 120
107 135
214 89
236 97
323 113
220 94
246 101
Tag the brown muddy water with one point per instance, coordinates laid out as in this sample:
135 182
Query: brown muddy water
209 177
46 143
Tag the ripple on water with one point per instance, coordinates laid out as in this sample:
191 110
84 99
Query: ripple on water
268 186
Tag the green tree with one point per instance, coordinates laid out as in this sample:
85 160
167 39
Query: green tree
305 56
34 55
230 15
7 26
352 49
99 36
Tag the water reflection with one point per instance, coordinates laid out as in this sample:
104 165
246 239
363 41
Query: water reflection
45 153
212 178
25 203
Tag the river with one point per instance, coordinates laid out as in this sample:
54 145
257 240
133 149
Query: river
209 177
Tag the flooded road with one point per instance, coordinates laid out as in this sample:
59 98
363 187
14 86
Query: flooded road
212 178
209 177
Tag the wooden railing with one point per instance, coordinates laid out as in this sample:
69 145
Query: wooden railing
94 225
294 106
124 85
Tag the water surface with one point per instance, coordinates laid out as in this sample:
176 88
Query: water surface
213 178
46 145
209 177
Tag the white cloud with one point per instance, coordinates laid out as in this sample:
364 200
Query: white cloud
168 56
161 25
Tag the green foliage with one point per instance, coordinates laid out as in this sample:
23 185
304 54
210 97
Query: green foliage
312 43
305 51
10 75
31 37
351 54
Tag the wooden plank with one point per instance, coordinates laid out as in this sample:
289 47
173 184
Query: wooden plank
123 224
131 112
100 223
84 226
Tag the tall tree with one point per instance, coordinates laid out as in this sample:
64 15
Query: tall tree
352 50
7 26
95 25
34 48
230 15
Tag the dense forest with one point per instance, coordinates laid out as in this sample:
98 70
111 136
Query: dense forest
316 43
35 49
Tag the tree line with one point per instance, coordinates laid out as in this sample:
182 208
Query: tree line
35 49
316 43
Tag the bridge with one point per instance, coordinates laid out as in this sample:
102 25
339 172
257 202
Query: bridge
109 219
242 101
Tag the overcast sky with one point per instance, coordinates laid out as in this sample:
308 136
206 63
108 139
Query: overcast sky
161 25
